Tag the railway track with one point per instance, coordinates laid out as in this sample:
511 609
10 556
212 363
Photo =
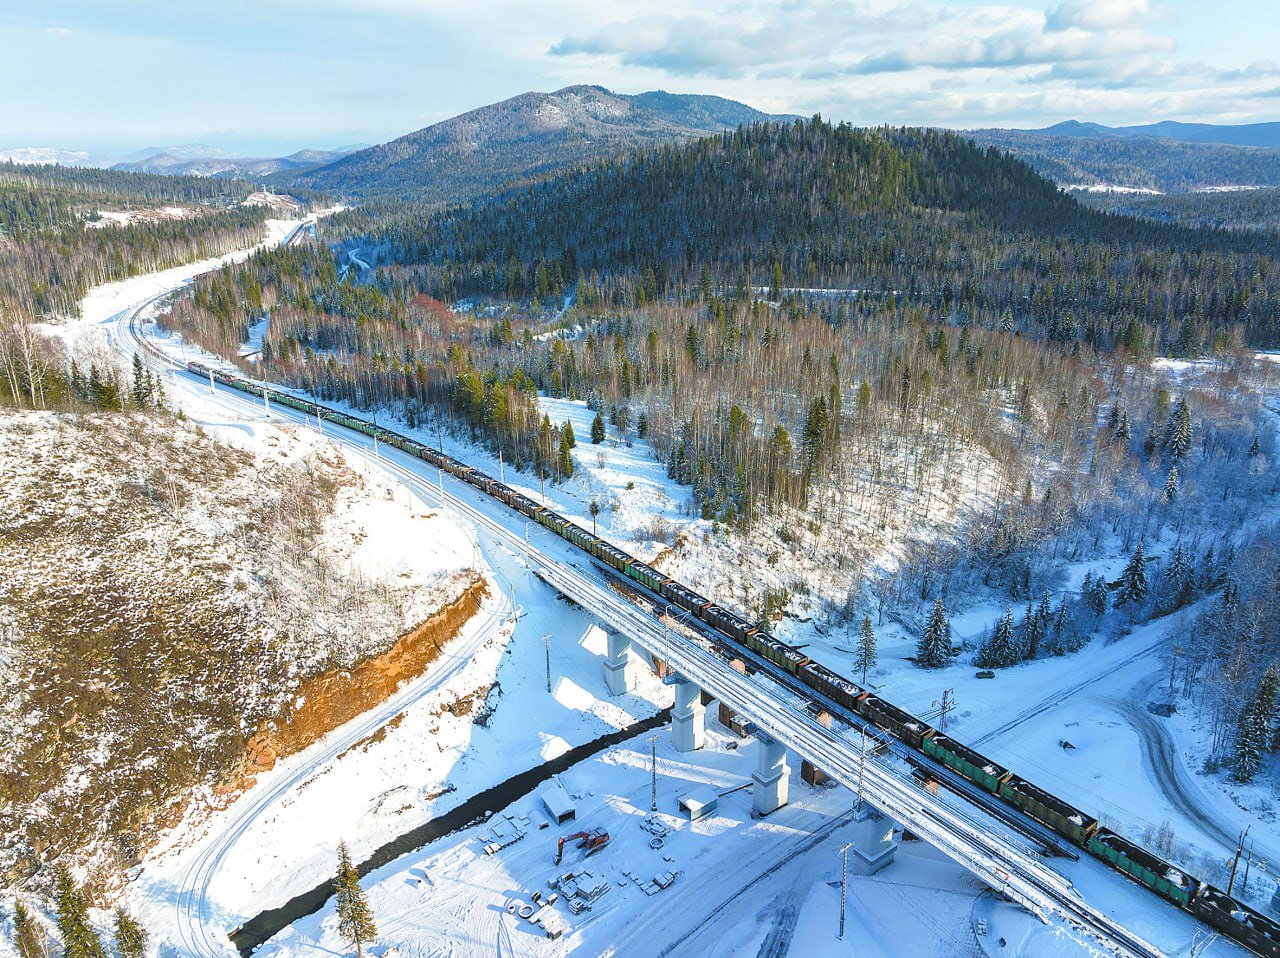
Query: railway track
966 835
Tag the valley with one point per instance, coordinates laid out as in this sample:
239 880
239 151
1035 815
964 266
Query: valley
600 522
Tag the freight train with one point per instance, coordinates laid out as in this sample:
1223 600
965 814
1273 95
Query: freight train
1211 905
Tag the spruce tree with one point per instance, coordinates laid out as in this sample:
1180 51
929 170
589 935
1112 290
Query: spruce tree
1095 593
28 937
1251 740
141 382
865 657
1255 448
356 926
567 436
131 937
1001 648
1177 437
934 648
1133 581
597 430
1171 486
79 940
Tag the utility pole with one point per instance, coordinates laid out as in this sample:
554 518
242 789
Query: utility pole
211 389
546 641
653 768
1236 862
946 705
844 882
266 401
1248 863
502 469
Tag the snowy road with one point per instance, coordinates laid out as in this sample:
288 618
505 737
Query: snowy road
202 930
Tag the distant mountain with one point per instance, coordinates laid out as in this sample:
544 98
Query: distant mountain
518 140
1087 154
48 156
190 160
1265 135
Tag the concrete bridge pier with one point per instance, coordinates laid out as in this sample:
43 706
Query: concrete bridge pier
687 723
728 717
619 669
770 791
808 771
873 844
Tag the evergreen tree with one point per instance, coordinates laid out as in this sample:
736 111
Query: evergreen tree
594 509
1001 648
356 926
567 435
1133 581
597 430
1265 703
79 940
28 937
1251 740
865 657
141 382
564 460
1177 438
1171 486
1255 448
131 937
1063 635
1096 597
816 426
933 650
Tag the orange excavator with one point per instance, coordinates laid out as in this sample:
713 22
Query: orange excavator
592 841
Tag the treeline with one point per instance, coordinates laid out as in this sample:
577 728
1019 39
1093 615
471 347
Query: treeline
924 214
375 346
1143 162
51 260
1253 209
88 182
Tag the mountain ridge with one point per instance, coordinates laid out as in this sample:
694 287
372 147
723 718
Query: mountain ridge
520 139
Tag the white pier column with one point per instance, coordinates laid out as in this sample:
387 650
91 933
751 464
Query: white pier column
770 791
687 728
873 841
619 670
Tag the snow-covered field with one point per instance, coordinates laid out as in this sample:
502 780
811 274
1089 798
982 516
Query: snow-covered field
742 886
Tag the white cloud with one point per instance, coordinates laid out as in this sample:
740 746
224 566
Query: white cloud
1098 14
921 62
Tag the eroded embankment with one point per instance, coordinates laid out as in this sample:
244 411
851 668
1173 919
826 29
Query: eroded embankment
331 699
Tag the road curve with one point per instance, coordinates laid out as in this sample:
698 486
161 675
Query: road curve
195 916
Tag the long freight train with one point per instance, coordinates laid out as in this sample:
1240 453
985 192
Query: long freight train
1211 905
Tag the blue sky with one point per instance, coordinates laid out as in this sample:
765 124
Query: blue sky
270 76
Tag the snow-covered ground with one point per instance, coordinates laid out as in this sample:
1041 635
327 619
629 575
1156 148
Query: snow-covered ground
770 877
742 886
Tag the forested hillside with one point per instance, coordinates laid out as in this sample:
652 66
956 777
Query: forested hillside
889 366
55 244
518 140
1137 162
921 214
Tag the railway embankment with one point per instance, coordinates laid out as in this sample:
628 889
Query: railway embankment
329 700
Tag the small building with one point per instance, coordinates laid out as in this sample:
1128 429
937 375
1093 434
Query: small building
558 803
699 803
